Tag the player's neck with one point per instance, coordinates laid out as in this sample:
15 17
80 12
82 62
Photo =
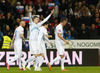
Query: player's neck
61 23
45 27
21 25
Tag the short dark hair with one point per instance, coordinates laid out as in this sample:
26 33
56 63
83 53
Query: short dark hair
22 20
63 19
46 23
35 17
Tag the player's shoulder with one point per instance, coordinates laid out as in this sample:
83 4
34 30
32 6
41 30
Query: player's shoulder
58 26
42 28
20 28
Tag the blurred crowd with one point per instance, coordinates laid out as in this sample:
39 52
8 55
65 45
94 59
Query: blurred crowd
83 17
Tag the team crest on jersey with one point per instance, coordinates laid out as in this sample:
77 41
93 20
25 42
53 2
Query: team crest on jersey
59 30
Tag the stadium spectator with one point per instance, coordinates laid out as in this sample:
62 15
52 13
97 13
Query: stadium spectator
2 21
45 7
73 33
19 9
6 42
62 5
67 34
16 24
8 32
39 9
21 16
56 12
96 22
98 30
27 8
83 32
78 12
52 31
62 14
86 19
93 32
70 10
3 6
9 19
41 17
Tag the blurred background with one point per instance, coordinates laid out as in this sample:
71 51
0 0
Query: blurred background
83 16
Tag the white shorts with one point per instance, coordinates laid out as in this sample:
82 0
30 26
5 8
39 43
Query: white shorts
33 47
60 49
18 50
42 49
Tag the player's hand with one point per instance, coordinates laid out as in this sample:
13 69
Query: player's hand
66 42
50 43
30 9
52 11
50 36
23 41
11 46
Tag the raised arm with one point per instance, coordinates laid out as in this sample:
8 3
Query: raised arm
30 13
46 19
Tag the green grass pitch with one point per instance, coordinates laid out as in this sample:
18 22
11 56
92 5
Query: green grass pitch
82 69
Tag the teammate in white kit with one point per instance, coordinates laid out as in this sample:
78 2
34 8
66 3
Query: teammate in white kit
59 44
43 35
17 42
42 38
34 31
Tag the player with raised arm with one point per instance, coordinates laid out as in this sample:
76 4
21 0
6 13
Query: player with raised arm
42 37
59 44
34 31
17 42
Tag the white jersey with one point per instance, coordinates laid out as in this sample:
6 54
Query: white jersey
42 33
19 30
59 29
34 28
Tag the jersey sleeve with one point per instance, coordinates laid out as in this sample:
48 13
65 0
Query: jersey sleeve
58 30
47 39
45 20
22 31
30 19
45 32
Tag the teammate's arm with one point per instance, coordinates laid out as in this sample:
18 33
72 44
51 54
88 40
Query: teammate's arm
22 37
48 36
59 35
42 22
12 43
30 13
13 39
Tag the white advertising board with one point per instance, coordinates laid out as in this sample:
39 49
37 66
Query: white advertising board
78 44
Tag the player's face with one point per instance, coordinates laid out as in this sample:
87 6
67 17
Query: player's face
65 22
24 24
46 26
36 20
